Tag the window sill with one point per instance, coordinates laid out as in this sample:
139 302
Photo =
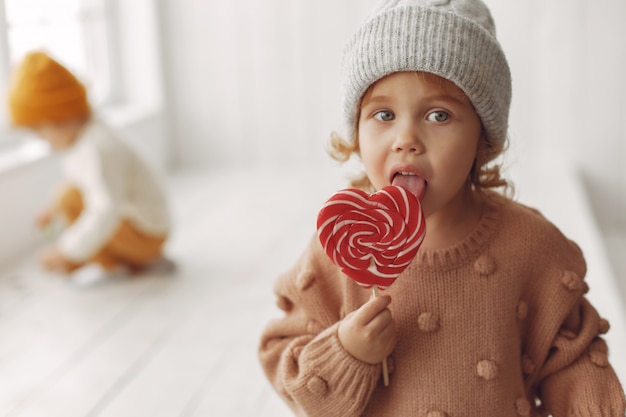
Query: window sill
23 153
24 148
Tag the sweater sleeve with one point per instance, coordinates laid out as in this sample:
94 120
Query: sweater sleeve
577 379
564 357
301 353
101 182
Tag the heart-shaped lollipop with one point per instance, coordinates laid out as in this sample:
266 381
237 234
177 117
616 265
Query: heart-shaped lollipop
372 238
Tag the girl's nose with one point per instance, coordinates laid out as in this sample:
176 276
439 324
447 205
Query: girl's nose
407 139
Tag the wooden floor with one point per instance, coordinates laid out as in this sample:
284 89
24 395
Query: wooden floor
179 344
182 344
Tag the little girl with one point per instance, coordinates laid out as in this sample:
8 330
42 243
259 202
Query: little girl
490 319
115 207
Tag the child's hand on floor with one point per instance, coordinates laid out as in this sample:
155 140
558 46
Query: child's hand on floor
52 259
45 217
369 333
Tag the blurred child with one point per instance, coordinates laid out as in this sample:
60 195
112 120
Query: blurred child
114 207
490 319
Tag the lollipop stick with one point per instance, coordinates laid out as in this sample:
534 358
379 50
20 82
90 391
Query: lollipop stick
385 369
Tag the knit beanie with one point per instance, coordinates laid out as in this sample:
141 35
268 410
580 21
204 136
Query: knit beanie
454 39
43 91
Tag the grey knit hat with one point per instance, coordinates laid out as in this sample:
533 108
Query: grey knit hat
454 39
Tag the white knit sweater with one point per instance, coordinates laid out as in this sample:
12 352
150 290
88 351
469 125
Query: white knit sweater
115 185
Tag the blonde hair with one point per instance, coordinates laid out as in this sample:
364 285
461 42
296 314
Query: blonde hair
485 175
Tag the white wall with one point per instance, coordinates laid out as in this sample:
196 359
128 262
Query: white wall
24 191
255 82
601 148
568 59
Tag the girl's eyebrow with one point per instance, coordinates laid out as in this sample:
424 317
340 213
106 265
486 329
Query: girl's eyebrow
447 97
456 98
376 99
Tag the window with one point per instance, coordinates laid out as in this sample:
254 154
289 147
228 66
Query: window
76 32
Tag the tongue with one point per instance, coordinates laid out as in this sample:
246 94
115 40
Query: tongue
412 183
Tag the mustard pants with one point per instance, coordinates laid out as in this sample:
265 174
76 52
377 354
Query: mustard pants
128 247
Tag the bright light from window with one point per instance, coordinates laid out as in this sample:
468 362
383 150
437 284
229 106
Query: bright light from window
73 31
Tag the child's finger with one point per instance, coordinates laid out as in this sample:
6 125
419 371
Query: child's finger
381 321
371 309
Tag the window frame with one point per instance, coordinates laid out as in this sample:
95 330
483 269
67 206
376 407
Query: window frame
9 136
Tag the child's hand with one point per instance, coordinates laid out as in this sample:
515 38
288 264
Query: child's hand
52 259
45 217
369 333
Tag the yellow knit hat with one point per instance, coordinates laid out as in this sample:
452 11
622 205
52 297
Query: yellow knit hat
43 91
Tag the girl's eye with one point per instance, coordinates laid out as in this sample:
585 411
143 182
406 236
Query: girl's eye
384 116
438 116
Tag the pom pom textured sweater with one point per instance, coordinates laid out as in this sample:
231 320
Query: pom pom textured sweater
496 325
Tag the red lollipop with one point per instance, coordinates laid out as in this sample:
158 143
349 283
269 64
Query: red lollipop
372 238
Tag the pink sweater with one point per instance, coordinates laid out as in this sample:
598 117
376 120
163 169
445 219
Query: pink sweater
496 325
